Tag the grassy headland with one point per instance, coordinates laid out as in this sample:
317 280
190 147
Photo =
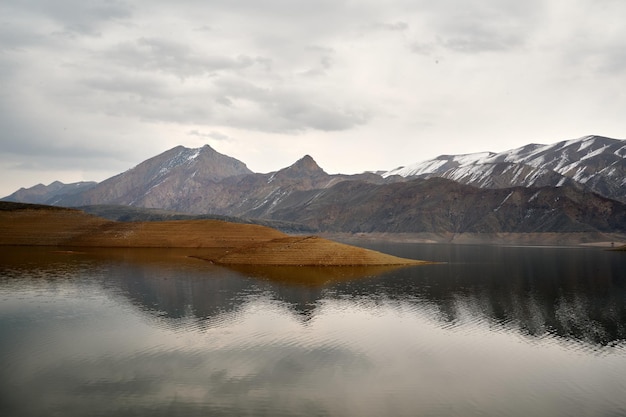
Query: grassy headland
226 243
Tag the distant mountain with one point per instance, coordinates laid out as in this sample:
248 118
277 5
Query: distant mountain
576 185
179 174
257 195
593 162
440 205
49 194
201 181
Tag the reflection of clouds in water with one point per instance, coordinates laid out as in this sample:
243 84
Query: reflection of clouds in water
354 358
276 378
143 338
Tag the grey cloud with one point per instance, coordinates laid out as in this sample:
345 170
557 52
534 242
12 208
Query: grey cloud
492 25
297 114
141 86
323 61
40 149
224 101
211 135
479 40
614 62
423 48
398 26
287 109
38 137
173 57
74 16
586 54
14 37
167 109
281 106
203 28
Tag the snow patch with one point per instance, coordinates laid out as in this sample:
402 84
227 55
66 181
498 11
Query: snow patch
473 158
503 201
433 166
580 175
534 196
594 153
586 142
184 156
425 167
193 155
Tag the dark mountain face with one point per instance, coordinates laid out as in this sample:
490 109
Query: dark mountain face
438 205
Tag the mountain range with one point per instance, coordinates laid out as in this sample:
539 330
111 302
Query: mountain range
571 186
593 162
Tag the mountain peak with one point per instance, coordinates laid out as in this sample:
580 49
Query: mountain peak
306 164
207 148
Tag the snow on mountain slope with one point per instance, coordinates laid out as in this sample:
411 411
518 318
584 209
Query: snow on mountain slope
440 164
594 162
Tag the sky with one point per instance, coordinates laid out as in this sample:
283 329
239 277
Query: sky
89 89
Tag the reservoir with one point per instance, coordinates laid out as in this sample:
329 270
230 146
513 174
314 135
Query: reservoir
488 331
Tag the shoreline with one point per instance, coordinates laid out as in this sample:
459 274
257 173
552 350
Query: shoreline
583 239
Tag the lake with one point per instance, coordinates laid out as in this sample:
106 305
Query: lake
490 331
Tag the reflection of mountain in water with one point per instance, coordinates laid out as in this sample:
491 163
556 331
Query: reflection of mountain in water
203 293
575 294
571 293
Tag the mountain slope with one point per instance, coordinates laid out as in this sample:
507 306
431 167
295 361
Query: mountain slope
178 174
49 194
536 188
439 205
592 162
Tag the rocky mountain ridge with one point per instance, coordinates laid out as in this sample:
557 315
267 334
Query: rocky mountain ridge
536 188
48 194
437 204
593 162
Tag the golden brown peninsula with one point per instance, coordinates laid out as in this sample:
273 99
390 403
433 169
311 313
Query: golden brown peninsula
224 242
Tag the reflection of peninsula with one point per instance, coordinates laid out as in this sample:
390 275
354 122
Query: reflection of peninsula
548 297
577 299
223 242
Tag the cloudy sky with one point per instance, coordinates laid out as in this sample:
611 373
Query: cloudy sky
90 88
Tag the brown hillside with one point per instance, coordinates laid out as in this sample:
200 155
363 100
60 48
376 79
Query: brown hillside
176 234
37 226
307 251
230 243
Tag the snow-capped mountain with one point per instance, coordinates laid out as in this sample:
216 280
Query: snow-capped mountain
593 162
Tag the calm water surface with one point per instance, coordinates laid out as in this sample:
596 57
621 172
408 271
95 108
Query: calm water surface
494 331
